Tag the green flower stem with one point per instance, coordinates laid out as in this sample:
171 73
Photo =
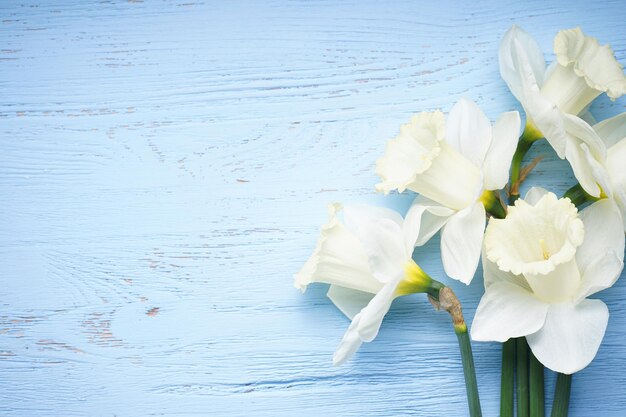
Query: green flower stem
523 146
522 377
445 299
561 395
508 378
434 288
529 136
537 408
469 371
579 196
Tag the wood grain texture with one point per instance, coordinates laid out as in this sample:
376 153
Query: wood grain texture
164 170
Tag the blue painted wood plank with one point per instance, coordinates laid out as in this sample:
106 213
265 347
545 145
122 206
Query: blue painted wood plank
165 167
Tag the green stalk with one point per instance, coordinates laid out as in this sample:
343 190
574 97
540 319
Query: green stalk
578 196
529 136
471 386
445 299
537 408
508 377
561 395
522 377
523 146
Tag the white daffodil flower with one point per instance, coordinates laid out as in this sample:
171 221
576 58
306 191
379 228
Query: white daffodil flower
454 166
367 259
553 97
540 264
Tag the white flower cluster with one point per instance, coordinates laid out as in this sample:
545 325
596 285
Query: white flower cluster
542 255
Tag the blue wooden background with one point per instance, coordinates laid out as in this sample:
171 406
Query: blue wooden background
165 167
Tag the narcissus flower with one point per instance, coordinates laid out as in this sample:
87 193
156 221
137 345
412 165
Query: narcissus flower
554 97
454 166
540 264
367 259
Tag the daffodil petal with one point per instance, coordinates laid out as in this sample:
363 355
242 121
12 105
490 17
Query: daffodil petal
365 324
600 274
620 200
535 194
461 242
616 155
598 171
497 162
347 300
603 233
424 218
612 130
583 132
509 71
570 336
582 143
350 343
507 310
380 231
373 314
543 113
469 131
577 158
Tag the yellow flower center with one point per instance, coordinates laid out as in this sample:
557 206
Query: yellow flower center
415 280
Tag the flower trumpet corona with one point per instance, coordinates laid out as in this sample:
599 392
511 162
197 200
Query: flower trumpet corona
540 264
455 167
367 259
